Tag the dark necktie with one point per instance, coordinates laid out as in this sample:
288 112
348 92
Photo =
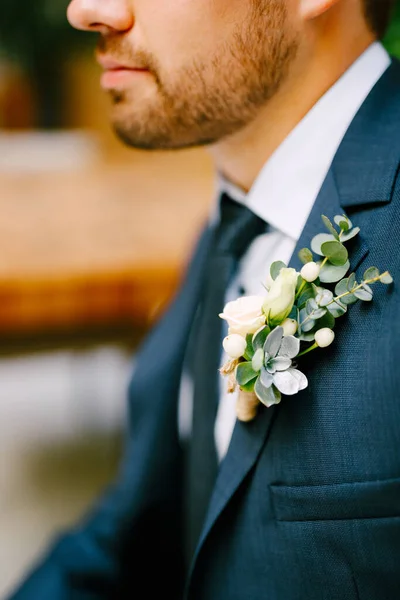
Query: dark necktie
237 227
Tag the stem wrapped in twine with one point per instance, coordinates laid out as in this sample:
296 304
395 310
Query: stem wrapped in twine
246 406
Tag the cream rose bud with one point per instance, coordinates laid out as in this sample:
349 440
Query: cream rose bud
234 345
310 272
280 299
289 326
244 315
324 337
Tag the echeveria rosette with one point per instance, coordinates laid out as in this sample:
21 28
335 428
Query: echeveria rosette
271 373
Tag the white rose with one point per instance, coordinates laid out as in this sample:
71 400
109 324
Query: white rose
280 299
310 272
244 315
234 345
324 337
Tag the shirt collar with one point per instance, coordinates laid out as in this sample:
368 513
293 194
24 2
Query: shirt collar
285 190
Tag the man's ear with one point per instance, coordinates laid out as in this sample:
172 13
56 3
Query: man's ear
310 9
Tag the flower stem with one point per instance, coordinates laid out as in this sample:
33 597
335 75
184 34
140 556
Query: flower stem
301 288
310 349
374 280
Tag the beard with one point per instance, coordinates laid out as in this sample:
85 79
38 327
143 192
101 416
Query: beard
211 98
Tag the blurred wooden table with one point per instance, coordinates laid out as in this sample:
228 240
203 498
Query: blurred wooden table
98 247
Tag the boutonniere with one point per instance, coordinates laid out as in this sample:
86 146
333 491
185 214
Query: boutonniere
268 334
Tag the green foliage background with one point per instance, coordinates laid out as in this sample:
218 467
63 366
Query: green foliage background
392 40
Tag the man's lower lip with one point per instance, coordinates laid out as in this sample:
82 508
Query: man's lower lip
117 77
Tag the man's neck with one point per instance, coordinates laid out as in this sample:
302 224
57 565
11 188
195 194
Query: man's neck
240 157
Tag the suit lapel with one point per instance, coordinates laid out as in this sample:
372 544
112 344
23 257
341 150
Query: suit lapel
362 173
248 439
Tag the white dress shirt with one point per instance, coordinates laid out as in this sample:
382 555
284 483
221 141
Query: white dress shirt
283 195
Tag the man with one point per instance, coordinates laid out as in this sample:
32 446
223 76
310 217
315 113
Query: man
300 107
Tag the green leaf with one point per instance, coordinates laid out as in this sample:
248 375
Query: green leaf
351 282
335 252
305 295
245 373
349 299
331 273
320 239
307 337
320 312
371 273
363 295
330 227
386 278
276 268
367 288
258 339
249 352
341 287
308 325
249 387
328 320
344 222
305 255
344 287
337 309
324 297
350 234
311 306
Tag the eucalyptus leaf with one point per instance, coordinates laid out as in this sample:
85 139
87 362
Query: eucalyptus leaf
351 283
304 296
345 287
330 227
245 373
363 295
302 316
349 235
276 268
367 288
320 239
331 273
386 278
341 287
311 306
308 325
307 337
344 222
371 273
320 312
328 320
337 309
305 255
349 299
335 252
324 297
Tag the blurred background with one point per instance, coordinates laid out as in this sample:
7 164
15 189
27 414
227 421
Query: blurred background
90 252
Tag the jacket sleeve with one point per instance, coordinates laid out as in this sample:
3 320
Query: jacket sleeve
136 524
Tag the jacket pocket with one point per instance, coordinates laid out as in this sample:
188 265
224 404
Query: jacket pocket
356 500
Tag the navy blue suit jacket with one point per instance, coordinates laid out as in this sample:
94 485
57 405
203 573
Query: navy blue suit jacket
307 501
